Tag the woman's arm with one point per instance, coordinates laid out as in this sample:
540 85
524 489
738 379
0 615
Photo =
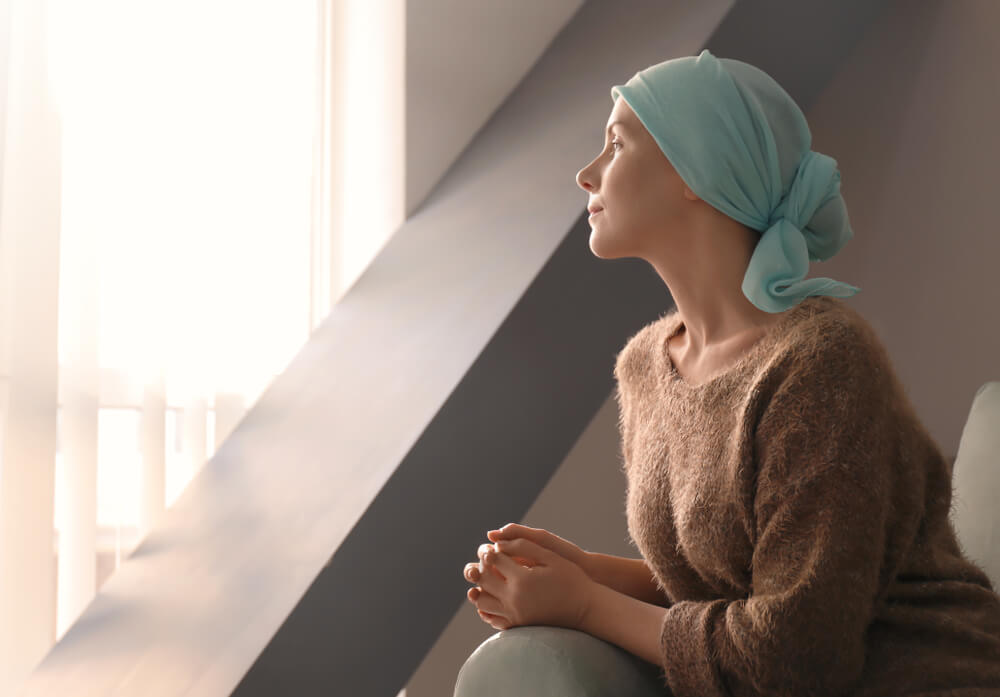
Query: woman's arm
629 576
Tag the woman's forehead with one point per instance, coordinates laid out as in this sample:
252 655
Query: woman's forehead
625 119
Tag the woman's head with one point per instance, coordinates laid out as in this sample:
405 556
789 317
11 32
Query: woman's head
717 144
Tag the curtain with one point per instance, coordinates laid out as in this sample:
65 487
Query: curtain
165 250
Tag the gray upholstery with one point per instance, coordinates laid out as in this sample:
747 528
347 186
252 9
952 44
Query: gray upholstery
541 661
557 662
976 480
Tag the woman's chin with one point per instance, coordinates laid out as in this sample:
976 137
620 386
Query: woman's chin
602 253
599 247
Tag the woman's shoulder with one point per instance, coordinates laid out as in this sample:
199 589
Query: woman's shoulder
831 338
831 325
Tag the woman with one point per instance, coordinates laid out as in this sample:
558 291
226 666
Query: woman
791 507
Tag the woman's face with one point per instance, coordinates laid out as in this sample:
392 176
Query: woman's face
638 189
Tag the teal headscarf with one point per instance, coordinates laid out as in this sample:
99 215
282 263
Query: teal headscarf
742 144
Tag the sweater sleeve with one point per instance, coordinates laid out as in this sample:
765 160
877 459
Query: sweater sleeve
824 452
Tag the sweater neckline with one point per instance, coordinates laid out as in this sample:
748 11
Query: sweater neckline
672 327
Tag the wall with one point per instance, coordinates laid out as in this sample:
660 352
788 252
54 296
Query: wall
462 60
913 130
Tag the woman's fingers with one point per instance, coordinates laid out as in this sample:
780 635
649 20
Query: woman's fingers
539 536
475 572
513 528
496 621
490 579
509 530
502 563
485 602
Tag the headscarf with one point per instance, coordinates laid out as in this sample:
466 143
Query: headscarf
742 144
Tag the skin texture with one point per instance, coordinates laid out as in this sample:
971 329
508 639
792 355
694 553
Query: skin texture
698 251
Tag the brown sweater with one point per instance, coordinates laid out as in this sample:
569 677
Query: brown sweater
794 510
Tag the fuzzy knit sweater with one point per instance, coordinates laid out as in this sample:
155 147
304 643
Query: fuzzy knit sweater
795 513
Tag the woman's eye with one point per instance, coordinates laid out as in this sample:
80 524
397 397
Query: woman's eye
614 143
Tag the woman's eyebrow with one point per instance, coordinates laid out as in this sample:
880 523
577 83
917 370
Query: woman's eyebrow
613 124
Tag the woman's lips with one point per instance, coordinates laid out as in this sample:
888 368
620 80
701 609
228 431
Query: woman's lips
596 212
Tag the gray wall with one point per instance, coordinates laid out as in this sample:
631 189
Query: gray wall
912 123
462 60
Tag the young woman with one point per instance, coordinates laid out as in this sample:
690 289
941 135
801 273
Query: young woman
791 509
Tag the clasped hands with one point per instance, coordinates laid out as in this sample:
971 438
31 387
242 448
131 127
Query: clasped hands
521 582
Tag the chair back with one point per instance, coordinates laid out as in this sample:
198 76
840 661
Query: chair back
976 482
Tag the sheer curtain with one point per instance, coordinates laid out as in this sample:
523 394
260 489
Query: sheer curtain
169 192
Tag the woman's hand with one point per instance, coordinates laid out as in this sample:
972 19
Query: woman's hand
546 539
540 536
474 572
553 591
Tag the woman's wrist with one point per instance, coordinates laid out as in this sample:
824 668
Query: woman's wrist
592 564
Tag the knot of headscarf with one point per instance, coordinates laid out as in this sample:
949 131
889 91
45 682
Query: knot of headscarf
742 144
